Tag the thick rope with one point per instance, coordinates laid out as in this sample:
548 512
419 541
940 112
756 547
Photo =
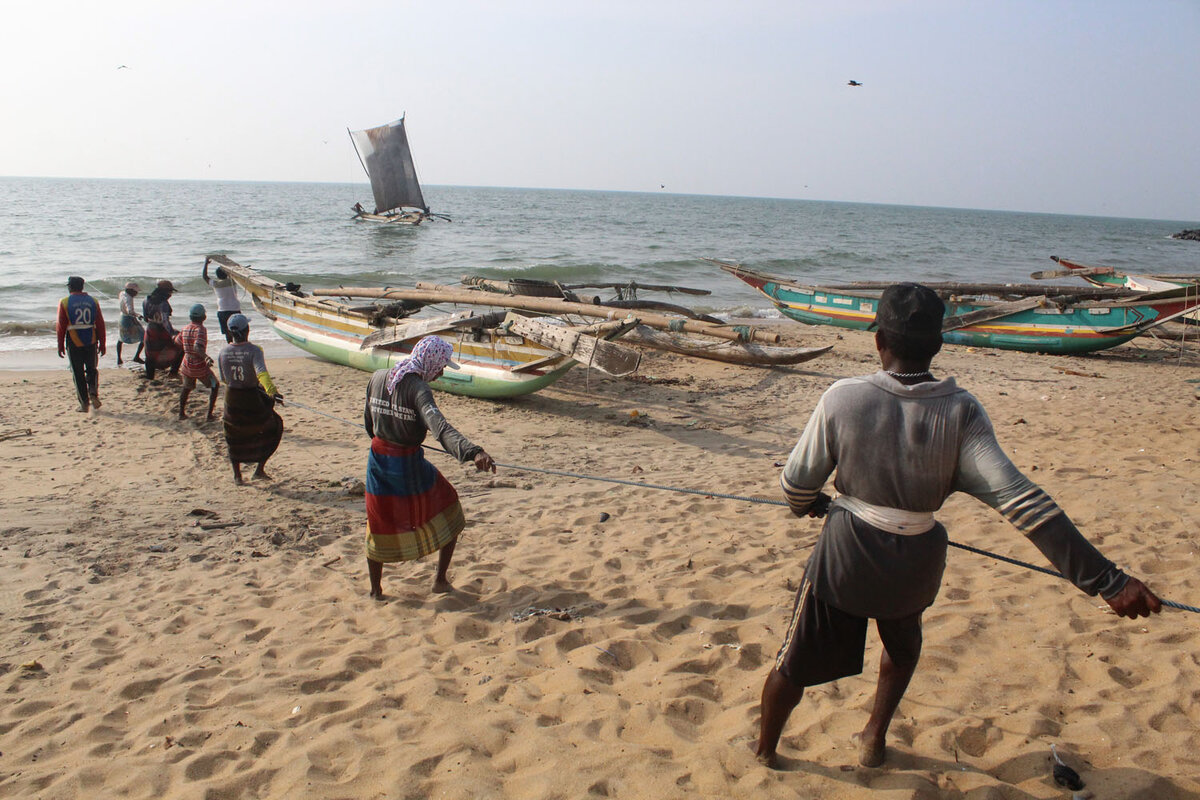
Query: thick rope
723 496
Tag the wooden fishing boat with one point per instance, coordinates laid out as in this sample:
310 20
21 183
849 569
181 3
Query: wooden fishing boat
1005 316
1111 277
730 352
743 343
430 293
387 159
498 356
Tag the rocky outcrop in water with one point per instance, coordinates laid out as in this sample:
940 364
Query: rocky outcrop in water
1192 235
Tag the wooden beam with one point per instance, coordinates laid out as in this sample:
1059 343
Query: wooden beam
992 312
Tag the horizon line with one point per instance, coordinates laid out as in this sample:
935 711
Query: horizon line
604 191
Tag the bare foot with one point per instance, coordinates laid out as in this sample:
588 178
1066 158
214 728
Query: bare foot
182 415
377 594
96 401
870 750
768 760
442 586
209 418
238 481
82 408
258 473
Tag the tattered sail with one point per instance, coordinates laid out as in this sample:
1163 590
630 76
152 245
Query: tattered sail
388 161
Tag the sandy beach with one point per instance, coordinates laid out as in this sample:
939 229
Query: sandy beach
169 635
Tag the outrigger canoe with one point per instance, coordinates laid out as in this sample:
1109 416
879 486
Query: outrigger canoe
1112 277
1036 319
498 355
702 345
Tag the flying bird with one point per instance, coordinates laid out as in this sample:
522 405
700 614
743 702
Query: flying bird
853 83
122 67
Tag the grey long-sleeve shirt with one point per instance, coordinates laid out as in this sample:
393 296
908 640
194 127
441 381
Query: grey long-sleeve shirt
909 448
404 416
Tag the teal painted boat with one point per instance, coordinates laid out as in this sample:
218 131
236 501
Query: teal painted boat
1030 318
493 362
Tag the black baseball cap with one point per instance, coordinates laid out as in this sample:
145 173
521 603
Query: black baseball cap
909 309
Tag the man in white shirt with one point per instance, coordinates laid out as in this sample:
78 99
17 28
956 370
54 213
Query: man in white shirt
227 299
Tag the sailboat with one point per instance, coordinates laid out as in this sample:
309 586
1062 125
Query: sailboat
385 155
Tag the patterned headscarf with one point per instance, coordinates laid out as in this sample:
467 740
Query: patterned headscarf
429 357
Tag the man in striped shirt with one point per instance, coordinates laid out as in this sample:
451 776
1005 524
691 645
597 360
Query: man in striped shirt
196 366
901 442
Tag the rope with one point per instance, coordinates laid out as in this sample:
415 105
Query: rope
723 496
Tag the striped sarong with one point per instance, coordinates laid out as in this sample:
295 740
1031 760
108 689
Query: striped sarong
252 428
412 510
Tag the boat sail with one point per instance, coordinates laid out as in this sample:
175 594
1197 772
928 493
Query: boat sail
385 155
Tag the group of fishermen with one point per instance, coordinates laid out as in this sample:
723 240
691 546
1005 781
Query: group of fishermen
253 429
900 442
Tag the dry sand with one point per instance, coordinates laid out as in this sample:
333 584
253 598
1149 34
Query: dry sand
148 652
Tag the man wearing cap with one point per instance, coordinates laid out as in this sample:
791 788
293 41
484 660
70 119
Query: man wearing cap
227 299
130 330
253 429
195 367
901 441
80 329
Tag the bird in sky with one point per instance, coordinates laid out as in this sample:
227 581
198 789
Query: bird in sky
122 67
853 83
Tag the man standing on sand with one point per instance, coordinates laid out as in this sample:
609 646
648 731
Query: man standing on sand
80 331
412 510
129 331
196 366
252 426
902 442
227 299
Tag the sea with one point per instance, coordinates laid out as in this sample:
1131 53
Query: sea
113 231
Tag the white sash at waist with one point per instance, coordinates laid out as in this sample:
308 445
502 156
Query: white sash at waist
892 520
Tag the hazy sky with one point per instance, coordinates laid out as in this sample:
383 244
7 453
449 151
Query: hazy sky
1077 107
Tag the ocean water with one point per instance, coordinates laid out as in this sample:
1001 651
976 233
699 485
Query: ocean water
111 231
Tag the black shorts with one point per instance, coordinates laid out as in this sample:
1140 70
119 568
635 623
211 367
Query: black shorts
223 320
824 643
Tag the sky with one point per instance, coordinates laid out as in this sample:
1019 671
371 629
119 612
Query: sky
1084 107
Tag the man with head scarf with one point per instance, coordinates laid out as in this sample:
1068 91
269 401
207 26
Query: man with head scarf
196 366
80 330
901 442
412 510
253 429
161 350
